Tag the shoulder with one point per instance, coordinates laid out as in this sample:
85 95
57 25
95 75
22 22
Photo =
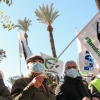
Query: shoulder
1 81
22 82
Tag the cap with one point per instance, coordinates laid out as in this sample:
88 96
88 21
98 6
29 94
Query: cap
34 57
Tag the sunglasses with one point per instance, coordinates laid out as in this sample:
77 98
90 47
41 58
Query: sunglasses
69 67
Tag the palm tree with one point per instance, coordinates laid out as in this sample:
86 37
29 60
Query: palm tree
2 54
24 26
98 4
47 15
11 80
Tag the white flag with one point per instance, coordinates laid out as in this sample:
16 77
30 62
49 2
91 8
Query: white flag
85 60
24 50
52 65
88 37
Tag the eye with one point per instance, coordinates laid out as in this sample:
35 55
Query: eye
40 61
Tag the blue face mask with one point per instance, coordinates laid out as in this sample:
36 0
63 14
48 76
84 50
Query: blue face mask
36 67
72 73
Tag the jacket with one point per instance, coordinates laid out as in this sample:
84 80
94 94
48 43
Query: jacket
71 89
23 90
94 87
4 91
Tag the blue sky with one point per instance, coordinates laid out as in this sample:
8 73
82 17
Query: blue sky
73 13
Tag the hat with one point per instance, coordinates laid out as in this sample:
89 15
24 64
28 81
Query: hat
34 57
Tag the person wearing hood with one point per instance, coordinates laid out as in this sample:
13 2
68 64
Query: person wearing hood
33 87
72 87
4 91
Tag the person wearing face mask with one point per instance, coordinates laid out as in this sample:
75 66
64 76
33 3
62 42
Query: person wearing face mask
72 88
32 87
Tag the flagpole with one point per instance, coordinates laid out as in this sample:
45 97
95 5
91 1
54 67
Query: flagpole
19 56
69 45
77 36
20 66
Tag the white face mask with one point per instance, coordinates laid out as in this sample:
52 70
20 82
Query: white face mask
36 67
72 73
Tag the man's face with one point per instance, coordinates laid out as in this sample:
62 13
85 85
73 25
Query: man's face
33 61
70 65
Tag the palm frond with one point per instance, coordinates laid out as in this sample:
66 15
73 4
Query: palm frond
46 14
23 24
54 15
16 26
51 10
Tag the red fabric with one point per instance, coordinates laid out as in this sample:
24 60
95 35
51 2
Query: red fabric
44 89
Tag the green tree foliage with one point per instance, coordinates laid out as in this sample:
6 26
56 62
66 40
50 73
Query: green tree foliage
6 22
8 2
24 26
47 15
11 80
51 81
2 54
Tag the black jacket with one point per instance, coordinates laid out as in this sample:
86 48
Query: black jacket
71 89
4 92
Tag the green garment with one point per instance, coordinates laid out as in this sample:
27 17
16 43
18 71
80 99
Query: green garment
22 89
96 84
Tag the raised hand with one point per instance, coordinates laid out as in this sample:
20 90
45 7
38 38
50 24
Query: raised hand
37 81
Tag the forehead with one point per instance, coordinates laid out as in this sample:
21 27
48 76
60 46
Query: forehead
36 59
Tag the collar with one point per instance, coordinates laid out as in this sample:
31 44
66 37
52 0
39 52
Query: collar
72 80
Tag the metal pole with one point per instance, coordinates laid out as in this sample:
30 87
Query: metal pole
20 66
68 45
77 36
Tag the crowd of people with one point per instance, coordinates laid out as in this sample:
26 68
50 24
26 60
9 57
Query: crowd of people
34 87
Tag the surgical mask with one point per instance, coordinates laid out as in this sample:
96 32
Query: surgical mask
72 73
36 67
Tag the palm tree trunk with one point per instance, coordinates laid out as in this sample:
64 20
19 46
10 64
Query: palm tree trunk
50 29
98 4
26 36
